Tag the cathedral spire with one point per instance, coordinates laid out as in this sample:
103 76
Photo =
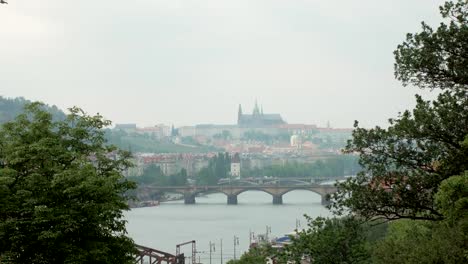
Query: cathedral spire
256 110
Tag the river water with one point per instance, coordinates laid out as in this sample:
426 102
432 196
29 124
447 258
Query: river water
212 220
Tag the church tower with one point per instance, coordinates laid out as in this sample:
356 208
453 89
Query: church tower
256 110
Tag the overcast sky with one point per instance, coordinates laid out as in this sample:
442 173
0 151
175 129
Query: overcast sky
187 62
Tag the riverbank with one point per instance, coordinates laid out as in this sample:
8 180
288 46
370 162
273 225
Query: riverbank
211 219
151 203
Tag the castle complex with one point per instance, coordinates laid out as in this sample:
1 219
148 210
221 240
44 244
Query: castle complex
258 118
269 124
244 138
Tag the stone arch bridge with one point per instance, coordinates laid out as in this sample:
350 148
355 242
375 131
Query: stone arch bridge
232 191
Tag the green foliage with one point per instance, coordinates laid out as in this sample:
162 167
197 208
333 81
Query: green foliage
147 143
266 138
178 179
437 58
335 166
452 197
10 108
325 140
152 175
405 163
218 168
329 240
62 193
255 255
225 134
417 242
189 141
408 167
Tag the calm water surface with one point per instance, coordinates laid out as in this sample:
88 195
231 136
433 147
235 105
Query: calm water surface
211 219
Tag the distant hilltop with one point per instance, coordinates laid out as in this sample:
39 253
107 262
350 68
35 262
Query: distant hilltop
258 121
270 124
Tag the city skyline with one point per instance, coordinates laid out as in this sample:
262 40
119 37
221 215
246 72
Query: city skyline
189 62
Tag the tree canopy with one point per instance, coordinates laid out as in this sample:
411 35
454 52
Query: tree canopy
437 58
62 193
10 108
415 169
405 163
333 240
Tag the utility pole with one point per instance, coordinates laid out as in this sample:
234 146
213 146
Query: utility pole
194 250
212 248
221 251
236 242
251 236
268 230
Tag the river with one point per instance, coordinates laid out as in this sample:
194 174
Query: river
211 219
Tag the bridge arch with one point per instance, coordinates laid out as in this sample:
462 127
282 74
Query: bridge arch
231 194
303 189
255 190
232 191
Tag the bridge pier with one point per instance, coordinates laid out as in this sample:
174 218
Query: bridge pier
325 199
277 199
232 199
189 199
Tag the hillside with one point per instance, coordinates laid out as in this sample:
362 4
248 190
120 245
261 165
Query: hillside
144 143
12 107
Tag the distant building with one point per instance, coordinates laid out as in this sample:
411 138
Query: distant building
126 127
235 166
299 129
258 118
296 141
158 131
259 123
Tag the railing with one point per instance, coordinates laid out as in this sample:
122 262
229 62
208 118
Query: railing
154 256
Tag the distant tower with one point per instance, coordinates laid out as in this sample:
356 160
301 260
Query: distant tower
328 124
256 110
239 115
261 110
235 166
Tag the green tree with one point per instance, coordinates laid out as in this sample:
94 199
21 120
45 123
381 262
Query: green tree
329 240
12 107
62 193
437 58
218 167
178 179
152 175
452 197
255 255
428 241
405 163
335 166
417 242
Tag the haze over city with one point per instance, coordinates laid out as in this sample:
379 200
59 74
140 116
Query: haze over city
221 131
191 62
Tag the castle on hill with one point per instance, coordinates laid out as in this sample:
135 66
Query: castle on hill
269 124
258 118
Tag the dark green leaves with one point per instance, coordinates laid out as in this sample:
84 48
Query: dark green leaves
437 58
61 191
333 240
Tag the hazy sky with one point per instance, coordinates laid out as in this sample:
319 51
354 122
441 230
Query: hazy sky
185 62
